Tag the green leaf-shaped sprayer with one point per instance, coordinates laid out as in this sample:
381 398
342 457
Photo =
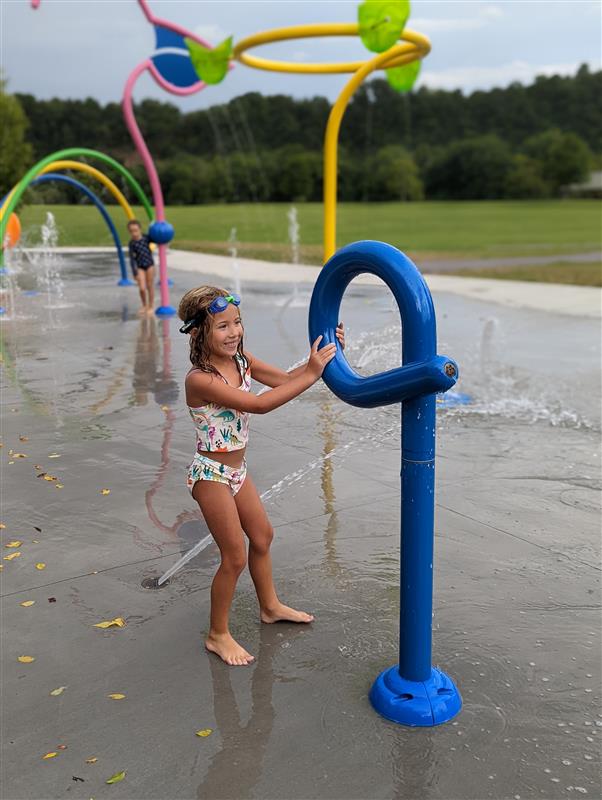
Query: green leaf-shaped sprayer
403 78
210 64
381 22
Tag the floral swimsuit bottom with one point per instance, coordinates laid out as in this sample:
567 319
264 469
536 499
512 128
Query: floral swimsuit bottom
207 469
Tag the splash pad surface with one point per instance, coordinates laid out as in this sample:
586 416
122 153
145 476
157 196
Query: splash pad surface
517 550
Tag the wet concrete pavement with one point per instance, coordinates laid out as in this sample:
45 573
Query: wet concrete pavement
517 597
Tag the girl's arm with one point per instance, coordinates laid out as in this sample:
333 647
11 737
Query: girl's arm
133 264
274 376
203 387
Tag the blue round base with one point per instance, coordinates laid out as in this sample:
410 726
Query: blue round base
169 283
125 282
165 311
4 271
415 703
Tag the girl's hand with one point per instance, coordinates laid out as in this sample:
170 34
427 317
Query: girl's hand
318 359
340 334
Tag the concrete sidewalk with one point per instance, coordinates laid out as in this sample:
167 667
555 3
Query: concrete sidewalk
579 301
92 399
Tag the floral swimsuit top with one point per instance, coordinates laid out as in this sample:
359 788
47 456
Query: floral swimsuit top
219 429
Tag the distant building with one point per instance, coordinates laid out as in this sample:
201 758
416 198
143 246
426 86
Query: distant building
592 187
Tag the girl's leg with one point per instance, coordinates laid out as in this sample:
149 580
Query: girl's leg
141 281
218 509
256 525
150 285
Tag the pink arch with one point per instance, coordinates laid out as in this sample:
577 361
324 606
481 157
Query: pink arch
134 130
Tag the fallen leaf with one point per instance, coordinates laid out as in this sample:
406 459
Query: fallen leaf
35 541
61 747
49 477
59 486
37 466
27 603
116 696
13 544
41 565
11 462
1 567
26 659
118 622
19 455
54 455
11 556
57 692
92 760
50 755
204 732
164 408
118 776
39 530
2 526
75 778
52 599
23 438
105 491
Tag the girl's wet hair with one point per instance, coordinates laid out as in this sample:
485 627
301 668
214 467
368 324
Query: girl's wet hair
195 305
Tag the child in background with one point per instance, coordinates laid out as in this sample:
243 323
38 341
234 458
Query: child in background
141 261
219 398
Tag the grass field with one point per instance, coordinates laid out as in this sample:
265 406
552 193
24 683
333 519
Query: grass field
554 272
423 230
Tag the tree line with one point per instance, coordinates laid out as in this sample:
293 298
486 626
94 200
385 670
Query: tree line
516 142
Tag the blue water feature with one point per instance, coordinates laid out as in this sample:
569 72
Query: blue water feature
58 176
411 692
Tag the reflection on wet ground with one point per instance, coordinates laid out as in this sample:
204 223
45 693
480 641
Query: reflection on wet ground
91 401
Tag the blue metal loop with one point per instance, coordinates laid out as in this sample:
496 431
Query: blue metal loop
423 371
412 692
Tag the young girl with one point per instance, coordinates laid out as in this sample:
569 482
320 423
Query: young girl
142 264
220 401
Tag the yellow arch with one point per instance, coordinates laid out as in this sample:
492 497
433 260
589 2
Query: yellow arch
78 166
306 32
415 47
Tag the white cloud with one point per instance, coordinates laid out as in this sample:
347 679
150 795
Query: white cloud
491 12
467 78
485 15
213 34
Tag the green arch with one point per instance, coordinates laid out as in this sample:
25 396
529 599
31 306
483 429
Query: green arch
62 154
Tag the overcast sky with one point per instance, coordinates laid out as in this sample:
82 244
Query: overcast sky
82 48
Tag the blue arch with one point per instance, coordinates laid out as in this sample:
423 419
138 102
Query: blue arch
56 176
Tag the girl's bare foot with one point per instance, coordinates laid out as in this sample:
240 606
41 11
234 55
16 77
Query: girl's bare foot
142 311
282 613
228 649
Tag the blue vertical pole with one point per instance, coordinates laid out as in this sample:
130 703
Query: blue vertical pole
412 692
417 526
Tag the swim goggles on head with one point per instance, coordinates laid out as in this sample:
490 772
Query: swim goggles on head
217 306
